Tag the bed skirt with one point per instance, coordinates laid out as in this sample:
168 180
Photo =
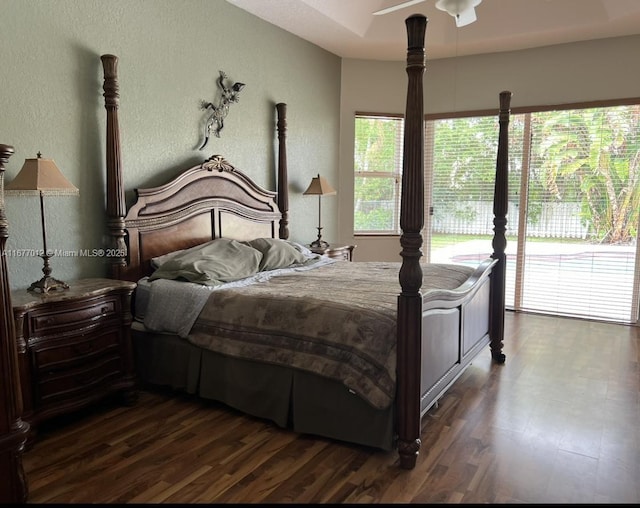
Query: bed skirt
291 398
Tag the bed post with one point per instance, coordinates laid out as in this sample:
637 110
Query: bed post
500 207
283 189
411 221
13 430
116 206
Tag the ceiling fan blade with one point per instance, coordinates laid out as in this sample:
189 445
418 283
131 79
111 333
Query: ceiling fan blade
397 7
466 17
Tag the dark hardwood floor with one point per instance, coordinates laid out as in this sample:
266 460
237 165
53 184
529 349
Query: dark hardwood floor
558 423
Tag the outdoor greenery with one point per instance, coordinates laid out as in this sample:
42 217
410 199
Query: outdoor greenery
593 156
590 157
464 166
378 169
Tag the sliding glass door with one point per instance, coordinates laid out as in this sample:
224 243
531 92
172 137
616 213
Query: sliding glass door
573 210
581 194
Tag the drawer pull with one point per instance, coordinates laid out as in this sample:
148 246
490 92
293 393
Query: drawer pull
104 310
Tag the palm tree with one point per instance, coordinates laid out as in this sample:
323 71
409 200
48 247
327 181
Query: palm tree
593 156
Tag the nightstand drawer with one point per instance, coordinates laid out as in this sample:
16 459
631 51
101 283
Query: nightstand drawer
75 350
343 252
51 322
77 382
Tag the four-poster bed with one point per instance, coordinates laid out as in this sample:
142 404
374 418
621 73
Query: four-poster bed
13 430
437 329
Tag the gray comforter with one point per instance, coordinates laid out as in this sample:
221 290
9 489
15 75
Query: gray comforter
337 321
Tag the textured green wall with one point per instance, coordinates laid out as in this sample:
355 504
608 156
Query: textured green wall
170 53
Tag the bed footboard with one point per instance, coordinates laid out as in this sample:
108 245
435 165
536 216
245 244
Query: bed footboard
453 333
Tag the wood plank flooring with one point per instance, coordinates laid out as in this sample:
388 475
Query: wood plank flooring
558 423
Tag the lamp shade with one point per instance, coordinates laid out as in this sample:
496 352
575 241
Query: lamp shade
319 187
40 176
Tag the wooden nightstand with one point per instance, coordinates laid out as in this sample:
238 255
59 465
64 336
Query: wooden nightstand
335 251
74 347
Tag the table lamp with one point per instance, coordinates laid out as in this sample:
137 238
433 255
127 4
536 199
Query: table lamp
42 177
319 187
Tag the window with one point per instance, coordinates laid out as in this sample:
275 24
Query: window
378 171
378 174
461 167
574 201
580 197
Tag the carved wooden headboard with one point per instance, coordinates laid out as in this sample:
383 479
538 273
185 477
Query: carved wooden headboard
207 201
211 200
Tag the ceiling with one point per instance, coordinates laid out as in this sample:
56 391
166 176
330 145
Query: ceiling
348 28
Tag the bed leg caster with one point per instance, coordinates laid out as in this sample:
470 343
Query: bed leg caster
129 397
498 357
408 451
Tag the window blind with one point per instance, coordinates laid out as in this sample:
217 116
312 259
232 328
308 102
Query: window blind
377 173
573 211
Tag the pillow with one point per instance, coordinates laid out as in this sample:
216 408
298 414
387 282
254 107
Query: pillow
212 263
276 253
306 252
159 260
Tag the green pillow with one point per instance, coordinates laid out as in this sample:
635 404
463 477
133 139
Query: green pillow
276 253
212 263
158 261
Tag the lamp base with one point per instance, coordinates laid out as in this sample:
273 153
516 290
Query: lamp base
319 244
47 284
